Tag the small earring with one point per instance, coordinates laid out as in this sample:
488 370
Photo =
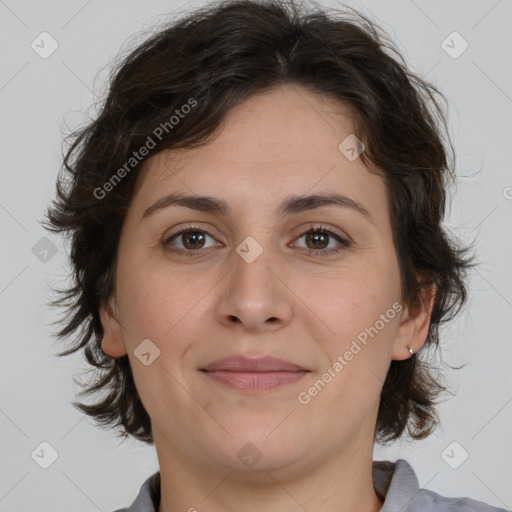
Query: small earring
410 350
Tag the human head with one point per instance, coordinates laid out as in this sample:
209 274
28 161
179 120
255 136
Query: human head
213 60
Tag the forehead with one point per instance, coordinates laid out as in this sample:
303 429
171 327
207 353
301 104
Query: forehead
273 144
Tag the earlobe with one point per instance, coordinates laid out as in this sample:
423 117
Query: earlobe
414 326
113 342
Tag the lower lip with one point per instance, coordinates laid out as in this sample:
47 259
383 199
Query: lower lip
255 381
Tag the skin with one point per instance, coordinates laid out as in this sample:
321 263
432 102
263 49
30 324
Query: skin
304 308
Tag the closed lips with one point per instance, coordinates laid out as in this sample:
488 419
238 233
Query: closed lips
250 375
248 365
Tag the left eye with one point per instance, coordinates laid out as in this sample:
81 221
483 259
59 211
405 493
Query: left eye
320 238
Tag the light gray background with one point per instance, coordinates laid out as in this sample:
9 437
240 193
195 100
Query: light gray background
42 98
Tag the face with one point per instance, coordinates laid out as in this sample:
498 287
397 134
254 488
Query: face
253 281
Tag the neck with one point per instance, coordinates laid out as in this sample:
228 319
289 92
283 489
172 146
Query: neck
343 483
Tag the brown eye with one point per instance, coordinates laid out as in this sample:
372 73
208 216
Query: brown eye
193 239
317 239
189 240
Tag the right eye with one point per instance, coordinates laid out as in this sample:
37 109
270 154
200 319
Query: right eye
192 239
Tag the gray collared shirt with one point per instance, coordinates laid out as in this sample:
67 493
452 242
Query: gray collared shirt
395 482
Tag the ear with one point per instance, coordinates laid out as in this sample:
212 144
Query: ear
113 342
414 325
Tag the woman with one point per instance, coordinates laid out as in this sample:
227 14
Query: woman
259 257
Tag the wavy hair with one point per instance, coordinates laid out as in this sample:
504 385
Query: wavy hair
221 55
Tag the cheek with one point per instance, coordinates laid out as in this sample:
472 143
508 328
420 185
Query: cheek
353 301
360 309
162 306
364 322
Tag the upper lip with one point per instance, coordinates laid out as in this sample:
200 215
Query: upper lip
245 364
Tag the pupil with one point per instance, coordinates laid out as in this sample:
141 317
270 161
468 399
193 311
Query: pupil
317 237
193 235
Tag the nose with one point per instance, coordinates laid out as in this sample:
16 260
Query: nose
255 294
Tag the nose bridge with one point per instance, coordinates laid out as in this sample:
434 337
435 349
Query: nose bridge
253 279
254 295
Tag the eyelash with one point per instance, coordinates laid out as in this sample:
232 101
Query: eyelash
311 252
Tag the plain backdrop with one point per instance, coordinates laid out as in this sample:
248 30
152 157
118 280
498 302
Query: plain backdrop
43 98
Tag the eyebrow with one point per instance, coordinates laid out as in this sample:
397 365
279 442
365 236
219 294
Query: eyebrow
292 204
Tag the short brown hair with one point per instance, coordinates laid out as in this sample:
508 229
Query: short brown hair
220 56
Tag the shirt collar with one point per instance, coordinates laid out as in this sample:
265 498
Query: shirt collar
395 483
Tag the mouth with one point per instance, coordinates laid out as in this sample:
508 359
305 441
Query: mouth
260 374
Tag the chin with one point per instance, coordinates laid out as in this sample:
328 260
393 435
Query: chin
250 456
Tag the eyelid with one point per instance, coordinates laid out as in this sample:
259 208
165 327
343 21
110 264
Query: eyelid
343 240
299 231
190 227
322 227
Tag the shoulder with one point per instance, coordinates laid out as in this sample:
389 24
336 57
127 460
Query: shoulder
397 484
148 499
429 500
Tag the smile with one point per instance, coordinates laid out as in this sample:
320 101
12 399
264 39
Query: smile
255 381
